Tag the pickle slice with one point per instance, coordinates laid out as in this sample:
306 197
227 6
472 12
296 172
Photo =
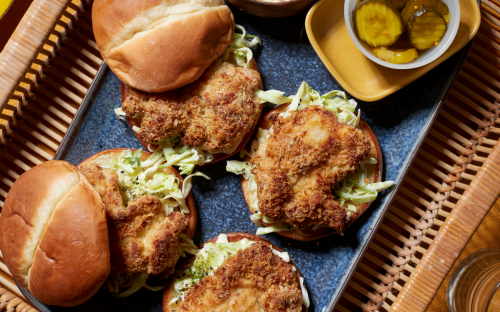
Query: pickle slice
398 4
395 56
426 27
377 23
413 5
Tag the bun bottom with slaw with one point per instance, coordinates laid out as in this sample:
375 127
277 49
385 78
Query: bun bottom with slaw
150 211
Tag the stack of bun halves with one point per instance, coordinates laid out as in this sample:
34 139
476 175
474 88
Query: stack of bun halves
192 94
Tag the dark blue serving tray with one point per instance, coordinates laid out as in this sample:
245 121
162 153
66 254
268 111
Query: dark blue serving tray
400 122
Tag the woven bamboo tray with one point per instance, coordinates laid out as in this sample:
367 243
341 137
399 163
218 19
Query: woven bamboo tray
48 69
452 184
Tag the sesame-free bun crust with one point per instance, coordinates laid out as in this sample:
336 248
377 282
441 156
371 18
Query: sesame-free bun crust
103 158
54 235
374 175
161 45
125 89
169 293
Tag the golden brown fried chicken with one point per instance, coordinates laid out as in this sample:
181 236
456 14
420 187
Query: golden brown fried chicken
214 112
254 279
142 239
307 153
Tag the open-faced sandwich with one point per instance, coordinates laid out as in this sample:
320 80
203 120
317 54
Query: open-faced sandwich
237 272
150 212
189 81
313 168
207 120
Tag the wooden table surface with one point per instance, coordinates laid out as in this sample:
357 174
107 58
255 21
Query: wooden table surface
486 236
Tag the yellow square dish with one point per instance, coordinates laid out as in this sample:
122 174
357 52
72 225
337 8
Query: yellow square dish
358 75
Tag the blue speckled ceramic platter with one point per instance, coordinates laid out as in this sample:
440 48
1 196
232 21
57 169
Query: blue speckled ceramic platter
400 121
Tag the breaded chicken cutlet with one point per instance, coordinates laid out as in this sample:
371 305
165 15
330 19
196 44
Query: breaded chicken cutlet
314 166
307 153
215 112
141 238
253 279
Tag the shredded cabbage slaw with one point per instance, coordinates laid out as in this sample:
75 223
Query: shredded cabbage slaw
137 178
210 257
354 189
240 46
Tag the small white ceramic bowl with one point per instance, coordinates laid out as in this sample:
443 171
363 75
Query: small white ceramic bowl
424 57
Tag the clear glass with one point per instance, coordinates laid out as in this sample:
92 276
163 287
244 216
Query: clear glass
474 282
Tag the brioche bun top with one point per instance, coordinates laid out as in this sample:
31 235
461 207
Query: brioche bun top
161 45
54 235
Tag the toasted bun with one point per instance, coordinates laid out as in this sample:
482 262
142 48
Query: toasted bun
103 158
169 293
54 235
160 45
125 89
374 175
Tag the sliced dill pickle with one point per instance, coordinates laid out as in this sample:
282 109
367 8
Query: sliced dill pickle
377 23
398 4
426 27
413 5
395 56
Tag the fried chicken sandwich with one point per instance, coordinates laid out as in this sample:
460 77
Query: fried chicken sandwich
207 120
313 168
150 212
237 272
189 81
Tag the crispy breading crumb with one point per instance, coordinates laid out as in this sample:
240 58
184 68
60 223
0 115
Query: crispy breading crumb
307 153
